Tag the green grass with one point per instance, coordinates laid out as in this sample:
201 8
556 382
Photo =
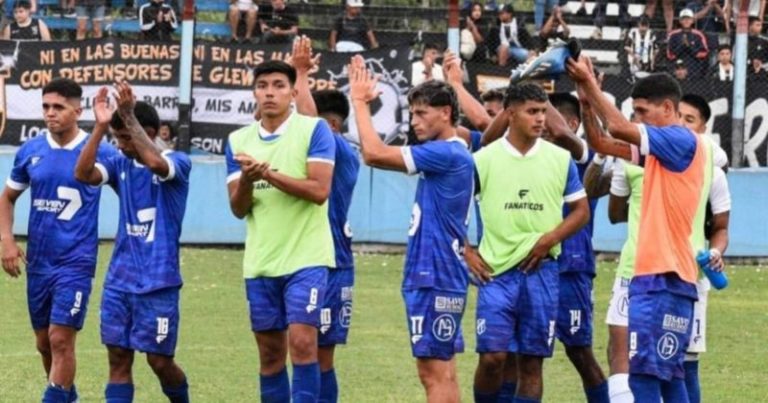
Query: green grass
218 352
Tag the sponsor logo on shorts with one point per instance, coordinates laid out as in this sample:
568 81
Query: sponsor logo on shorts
632 344
312 300
480 326
162 330
676 324
667 346
325 320
345 314
77 305
346 293
444 327
417 328
449 304
575 320
551 338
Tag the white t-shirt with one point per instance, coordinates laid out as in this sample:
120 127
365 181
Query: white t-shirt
246 5
417 73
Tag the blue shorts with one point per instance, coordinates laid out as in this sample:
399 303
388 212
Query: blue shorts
659 330
336 314
434 322
275 302
575 309
144 322
516 312
58 299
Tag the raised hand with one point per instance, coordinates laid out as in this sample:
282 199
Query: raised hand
124 97
301 55
361 81
581 70
452 68
102 110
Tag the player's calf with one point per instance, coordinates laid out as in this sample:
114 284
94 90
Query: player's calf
171 377
490 373
439 379
62 344
529 372
43 345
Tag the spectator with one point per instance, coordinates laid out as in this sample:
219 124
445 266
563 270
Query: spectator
540 8
8 9
166 136
511 38
493 101
757 46
24 27
681 70
473 27
669 12
688 44
427 68
756 9
755 70
723 70
280 22
555 28
157 20
469 4
709 16
92 10
242 10
351 32
640 45
599 12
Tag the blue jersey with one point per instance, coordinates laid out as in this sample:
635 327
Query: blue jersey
344 179
146 255
440 215
577 253
63 218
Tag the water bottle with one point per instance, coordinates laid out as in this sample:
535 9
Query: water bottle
717 278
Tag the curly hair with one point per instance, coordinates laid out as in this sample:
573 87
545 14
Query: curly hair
436 93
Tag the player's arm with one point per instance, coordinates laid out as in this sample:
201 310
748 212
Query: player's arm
597 139
496 129
242 172
149 154
362 91
582 73
303 62
472 109
85 169
7 32
720 200
563 136
315 188
11 252
578 216
618 202
45 33
596 182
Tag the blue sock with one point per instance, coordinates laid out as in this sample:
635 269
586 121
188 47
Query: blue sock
73 394
674 391
329 388
645 388
507 393
692 381
275 388
481 397
306 383
119 393
177 394
598 394
521 399
55 394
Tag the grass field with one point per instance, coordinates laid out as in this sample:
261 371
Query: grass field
218 352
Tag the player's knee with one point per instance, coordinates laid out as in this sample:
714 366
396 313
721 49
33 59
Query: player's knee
530 368
303 346
43 346
579 355
436 375
160 364
492 363
61 341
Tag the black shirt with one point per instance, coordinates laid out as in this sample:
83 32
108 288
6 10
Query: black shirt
285 19
152 29
29 33
352 29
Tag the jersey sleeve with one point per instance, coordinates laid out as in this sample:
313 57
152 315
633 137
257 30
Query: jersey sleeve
574 190
673 146
619 183
19 177
108 166
433 156
719 194
475 137
179 166
233 168
322 147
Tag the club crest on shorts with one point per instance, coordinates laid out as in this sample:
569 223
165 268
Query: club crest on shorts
444 327
667 346
345 314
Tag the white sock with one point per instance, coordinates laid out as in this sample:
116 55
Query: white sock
618 389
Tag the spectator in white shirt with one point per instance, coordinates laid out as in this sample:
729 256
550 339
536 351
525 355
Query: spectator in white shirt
239 10
426 68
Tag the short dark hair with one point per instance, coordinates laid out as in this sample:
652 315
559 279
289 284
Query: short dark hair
331 101
432 45
65 87
518 93
644 20
698 102
436 93
657 87
23 4
171 128
507 8
275 66
566 104
145 113
492 95
723 47
753 20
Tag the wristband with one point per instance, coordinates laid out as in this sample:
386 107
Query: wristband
598 159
